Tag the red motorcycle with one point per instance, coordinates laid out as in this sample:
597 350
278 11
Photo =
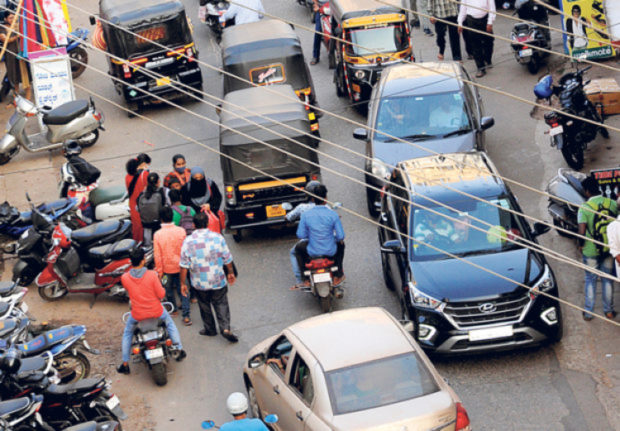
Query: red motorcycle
63 263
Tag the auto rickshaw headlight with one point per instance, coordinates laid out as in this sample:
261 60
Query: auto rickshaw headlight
360 74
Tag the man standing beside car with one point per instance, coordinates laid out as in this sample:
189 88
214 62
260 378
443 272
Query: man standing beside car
445 10
478 15
593 255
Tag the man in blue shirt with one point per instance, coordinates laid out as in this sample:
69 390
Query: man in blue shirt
321 233
237 405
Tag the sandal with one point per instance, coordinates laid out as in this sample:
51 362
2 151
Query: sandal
312 63
187 321
440 57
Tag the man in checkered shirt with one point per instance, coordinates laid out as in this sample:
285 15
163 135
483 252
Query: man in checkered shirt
204 255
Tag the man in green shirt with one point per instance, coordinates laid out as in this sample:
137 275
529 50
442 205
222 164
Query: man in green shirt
177 209
594 255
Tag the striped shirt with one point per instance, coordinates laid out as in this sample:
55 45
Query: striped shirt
442 8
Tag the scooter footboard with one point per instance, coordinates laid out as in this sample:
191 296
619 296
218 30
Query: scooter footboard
8 144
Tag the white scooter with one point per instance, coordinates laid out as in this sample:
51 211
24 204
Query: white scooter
78 120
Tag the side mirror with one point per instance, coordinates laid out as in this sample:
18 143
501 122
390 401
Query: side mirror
360 134
393 246
487 123
271 419
206 425
92 20
256 360
287 206
540 229
407 325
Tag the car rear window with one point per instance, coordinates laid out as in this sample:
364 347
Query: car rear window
379 383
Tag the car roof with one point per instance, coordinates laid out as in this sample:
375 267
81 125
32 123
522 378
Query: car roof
265 29
345 338
471 172
429 78
123 12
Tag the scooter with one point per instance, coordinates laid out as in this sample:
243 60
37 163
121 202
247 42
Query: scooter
22 411
78 120
532 34
566 185
76 51
269 419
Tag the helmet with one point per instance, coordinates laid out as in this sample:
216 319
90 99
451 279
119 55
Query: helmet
237 403
71 148
10 362
312 185
544 90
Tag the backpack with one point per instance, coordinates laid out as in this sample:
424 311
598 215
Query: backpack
602 218
187 221
149 207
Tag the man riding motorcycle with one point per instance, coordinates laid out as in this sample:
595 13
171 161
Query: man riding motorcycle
321 234
237 405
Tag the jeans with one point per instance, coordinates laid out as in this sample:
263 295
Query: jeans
603 264
316 48
173 284
219 299
295 265
453 33
173 333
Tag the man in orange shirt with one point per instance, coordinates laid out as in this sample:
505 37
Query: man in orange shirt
167 244
145 293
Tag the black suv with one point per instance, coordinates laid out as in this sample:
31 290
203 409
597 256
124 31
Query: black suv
457 307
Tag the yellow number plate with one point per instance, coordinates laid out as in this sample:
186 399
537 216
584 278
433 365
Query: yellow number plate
162 81
275 211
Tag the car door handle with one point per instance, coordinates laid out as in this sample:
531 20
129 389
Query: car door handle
276 389
299 415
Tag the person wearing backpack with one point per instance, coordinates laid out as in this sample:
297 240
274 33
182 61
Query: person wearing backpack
594 216
150 203
135 181
182 215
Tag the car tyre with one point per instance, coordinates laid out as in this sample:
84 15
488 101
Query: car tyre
254 409
387 275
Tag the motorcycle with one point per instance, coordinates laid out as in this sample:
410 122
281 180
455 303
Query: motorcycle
530 33
566 185
75 49
269 419
151 345
22 413
569 135
12 304
210 14
78 120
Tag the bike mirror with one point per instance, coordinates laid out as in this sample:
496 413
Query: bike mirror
287 206
28 197
271 419
208 425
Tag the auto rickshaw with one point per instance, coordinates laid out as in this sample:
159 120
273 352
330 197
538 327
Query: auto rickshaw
268 52
380 36
252 197
139 30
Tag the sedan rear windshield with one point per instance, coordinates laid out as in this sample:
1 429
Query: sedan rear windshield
379 383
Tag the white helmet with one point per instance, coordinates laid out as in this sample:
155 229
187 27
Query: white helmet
237 403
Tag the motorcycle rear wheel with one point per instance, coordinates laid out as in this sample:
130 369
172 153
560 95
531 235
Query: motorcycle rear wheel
72 368
573 154
326 303
79 59
53 291
533 66
159 374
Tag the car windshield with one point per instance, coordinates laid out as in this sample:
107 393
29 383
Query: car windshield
379 383
474 227
380 39
432 115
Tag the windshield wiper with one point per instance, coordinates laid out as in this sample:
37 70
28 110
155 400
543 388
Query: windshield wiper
475 252
457 132
419 137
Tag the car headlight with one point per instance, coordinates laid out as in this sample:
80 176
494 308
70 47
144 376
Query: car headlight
544 284
360 74
380 169
421 299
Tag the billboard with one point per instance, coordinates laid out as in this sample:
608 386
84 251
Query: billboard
586 24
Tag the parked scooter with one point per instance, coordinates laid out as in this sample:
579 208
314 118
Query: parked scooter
530 33
78 119
152 345
566 185
210 13
22 412
76 51
569 135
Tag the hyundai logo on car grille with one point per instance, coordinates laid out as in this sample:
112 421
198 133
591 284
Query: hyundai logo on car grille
487 307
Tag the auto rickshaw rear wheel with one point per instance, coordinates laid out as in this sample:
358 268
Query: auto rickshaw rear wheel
340 91
237 235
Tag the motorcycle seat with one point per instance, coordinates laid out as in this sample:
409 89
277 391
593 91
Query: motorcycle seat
576 184
320 262
104 195
65 112
7 326
7 288
35 363
148 325
71 388
13 406
46 340
4 306
96 231
115 251
59 205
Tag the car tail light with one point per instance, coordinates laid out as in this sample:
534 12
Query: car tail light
462 419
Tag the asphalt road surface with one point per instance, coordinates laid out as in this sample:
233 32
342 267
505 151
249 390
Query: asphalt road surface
573 385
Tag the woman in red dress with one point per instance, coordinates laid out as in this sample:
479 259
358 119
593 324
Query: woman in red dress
135 181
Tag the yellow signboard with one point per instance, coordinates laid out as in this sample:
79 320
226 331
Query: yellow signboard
585 23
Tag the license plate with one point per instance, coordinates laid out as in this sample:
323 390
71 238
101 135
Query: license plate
322 277
556 131
526 52
490 333
275 211
162 81
112 402
154 354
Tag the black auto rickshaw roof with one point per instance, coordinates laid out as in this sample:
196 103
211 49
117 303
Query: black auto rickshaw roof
129 13
261 40
278 103
343 10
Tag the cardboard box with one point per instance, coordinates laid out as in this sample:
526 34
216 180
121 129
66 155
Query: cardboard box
605 94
